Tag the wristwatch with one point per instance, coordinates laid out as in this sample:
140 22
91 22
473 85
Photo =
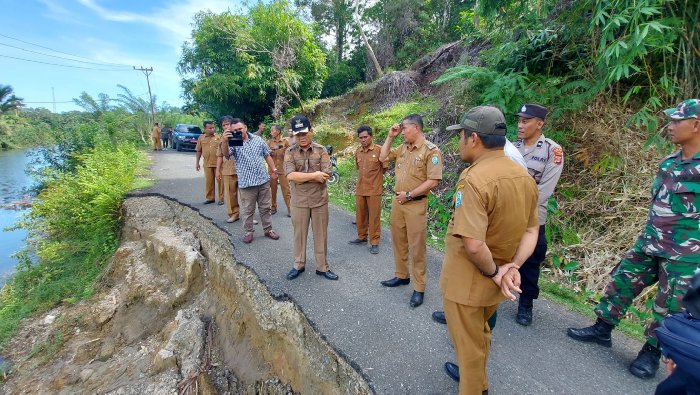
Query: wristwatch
408 196
492 275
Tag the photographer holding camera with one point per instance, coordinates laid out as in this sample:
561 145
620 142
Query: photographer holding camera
251 153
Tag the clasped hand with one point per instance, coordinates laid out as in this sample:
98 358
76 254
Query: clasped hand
508 279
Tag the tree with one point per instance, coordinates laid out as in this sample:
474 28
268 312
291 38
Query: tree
8 101
244 64
335 17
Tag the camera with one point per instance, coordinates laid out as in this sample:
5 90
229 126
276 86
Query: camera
236 140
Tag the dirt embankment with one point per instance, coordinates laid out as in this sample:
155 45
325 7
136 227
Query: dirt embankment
177 314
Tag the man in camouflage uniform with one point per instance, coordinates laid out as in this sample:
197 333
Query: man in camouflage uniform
668 249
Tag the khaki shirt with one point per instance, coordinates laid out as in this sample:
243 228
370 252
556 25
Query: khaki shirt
545 161
228 166
370 179
416 163
313 158
156 132
208 145
495 201
278 149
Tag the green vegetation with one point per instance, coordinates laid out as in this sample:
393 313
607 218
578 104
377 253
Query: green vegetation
251 65
73 229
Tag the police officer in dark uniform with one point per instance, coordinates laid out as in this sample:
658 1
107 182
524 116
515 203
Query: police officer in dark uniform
544 159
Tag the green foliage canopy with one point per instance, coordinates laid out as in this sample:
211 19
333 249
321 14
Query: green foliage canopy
239 65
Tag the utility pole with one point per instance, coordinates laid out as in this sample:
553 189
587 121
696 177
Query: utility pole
148 71
53 95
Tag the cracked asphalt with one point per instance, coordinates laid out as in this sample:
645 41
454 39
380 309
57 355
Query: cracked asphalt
399 348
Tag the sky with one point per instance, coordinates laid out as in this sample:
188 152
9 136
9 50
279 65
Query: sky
101 41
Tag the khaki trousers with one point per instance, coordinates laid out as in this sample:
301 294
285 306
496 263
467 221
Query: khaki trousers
318 216
209 183
157 143
251 196
368 216
471 337
231 195
286 193
408 233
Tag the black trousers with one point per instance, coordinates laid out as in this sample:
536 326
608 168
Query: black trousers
530 270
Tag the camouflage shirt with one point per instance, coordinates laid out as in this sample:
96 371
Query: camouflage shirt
672 230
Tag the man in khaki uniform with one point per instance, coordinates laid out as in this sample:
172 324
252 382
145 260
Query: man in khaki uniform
368 195
493 230
418 170
226 172
278 146
155 136
207 145
308 167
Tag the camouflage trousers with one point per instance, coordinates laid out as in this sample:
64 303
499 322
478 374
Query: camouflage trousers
632 275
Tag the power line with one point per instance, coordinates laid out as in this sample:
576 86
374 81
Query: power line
62 65
55 56
71 101
54 50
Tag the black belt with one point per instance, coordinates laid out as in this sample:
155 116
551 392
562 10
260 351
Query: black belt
421 197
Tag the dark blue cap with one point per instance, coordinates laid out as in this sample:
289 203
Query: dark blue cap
530 110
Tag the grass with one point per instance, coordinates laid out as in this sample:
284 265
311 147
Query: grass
73 230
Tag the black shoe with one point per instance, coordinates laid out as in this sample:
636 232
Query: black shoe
439 317
221 203
524 316
209 201
328 274
294 273
416 299
647 362
374 250
357 241
598 333
395 282
452 370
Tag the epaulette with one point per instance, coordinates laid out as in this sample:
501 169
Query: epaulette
430 145
552 144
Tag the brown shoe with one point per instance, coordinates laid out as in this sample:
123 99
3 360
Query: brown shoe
248 238
271 234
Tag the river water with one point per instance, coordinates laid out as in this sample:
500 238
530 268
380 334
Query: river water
15 186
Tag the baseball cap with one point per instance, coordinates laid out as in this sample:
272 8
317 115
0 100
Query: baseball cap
686 109
482 120
531 110
300 124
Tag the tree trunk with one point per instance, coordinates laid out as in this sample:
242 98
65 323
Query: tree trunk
476 15
370 51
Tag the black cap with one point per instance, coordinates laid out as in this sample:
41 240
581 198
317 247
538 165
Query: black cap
300 124
530 110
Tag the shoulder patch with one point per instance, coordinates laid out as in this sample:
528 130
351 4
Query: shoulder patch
435 160
558 156
458 198
430 144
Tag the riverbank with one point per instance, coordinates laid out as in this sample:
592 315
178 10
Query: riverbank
72 229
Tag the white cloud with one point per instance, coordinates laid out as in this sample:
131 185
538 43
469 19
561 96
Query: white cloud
174 21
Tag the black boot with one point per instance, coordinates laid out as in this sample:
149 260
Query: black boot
647 362
598 333
524 316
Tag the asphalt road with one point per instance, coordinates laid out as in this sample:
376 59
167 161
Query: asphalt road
399 348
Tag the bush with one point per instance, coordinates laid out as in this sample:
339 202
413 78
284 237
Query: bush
73 229
381 122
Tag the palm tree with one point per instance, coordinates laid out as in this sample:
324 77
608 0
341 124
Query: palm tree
8 101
